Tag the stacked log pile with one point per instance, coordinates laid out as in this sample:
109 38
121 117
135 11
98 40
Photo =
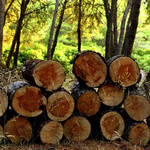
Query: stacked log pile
103 103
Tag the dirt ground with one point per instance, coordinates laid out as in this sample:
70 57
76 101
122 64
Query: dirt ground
85 145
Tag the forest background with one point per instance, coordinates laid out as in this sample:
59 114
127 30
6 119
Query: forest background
74 25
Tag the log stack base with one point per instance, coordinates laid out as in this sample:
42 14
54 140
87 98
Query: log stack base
91 109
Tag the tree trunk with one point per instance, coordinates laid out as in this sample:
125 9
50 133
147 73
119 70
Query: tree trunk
3 101
51 132
2 12
27 100
139 134
131 31
79 27
119 47
123 70
77 128
110 38
18 130
60 106
49 53
16 53
137 107
58 28
90 68
112 125
111 94
18 31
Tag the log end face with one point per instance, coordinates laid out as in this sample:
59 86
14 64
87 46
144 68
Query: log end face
137 107
18 129
3 102
88 103
90 68
77 129
27 101
60 106
139 134
49 75
111 94
124 71
51 133
112 125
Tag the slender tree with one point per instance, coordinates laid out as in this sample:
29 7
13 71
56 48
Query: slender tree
119 47
49 56
79 26
58 28
131 28
2 10
18 31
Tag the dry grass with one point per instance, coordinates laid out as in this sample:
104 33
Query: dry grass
85 145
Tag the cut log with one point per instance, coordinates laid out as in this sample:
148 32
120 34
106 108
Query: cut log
3 101
18 130
1 133
88 103
77 128
13 87
90 67
27 71
27 101
111 94
139 134
112 125
46 74
60 106
124 71
51 132
137 107
49 75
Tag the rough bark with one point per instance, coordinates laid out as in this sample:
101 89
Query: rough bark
112 125
51 132
77 128
132 28
2 12
18 130
110 38
60 106
90 68
123 70
28 67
